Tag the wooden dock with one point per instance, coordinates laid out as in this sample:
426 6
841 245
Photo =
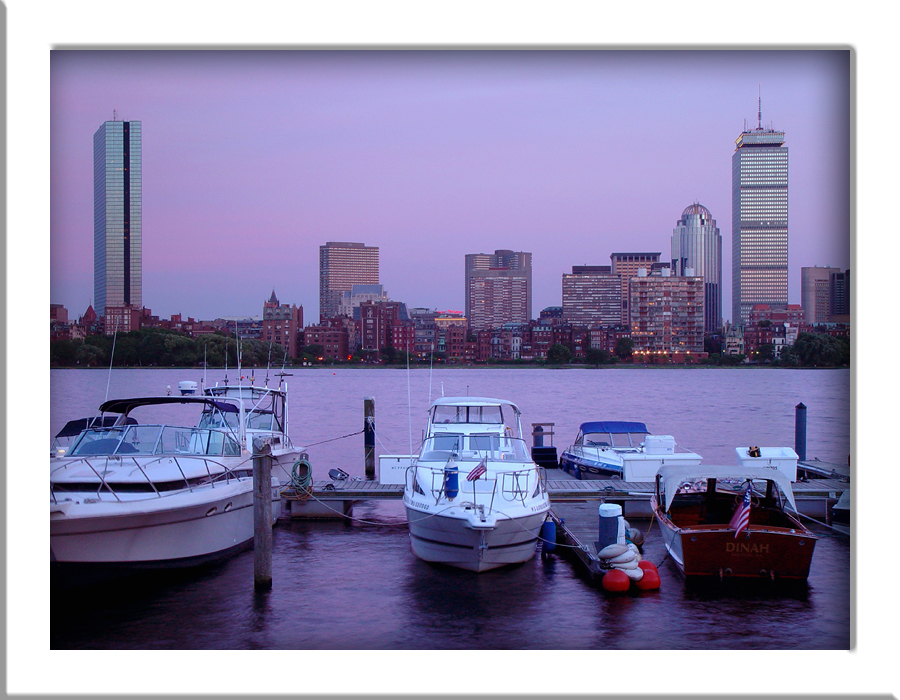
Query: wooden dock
335 498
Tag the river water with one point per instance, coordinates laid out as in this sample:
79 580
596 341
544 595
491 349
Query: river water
356 585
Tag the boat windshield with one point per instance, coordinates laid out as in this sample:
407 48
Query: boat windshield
468 414
474 448
613 439
154 440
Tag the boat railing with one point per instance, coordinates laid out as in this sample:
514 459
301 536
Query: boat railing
217 474
513 485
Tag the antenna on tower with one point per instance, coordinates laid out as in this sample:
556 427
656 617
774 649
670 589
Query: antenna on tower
759 113
115 115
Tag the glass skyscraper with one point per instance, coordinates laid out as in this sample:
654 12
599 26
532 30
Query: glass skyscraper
697 246
117 216
759 222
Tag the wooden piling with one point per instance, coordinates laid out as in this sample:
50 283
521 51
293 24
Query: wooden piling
369 432
262 516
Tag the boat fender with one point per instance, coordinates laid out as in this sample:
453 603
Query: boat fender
625 565
616 581
622 558
634 574
635 536
633 547
612 550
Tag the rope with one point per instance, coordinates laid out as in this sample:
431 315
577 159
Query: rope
322 442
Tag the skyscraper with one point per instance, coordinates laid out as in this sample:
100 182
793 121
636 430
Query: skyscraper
117 217
815 293
697 246
341 265
592 295
759 221
498 289
626 266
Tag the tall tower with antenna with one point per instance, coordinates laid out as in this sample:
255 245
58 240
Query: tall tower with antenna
117 222
759 220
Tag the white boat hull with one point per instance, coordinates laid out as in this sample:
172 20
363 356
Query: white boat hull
462 541
181 529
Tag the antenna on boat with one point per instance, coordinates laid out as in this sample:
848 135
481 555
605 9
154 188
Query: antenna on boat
430 373
269 362
238 337
111 355
408 398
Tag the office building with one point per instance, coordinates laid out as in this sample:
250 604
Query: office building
591 296
815 293
666 313
697 252
825 294
839 298
759 221
498 289
341 265
117 223
358 294
626 266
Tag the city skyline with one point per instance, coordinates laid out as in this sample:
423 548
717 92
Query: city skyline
429 156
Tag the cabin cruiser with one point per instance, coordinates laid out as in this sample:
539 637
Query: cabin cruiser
262 416
155 494
621 450
474 498
731 521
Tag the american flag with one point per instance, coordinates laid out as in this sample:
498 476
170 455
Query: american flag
741 518
477 471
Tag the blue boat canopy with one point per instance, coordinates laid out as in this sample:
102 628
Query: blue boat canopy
613 426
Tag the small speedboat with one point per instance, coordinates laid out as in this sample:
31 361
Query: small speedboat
732 521
137 494
621 450
474 498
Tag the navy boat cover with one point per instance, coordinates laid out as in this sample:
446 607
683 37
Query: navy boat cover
613 426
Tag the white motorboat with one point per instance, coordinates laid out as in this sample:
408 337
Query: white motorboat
154 495
262 417
474 498
622 450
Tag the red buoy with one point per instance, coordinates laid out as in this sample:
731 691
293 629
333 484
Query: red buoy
616 581
648 566
650 580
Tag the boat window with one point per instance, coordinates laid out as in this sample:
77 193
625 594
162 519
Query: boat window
596 439
97 442
620 439
496 447
259 421
468 414
139 439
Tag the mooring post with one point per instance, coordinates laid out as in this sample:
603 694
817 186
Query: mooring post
800 431
369 431
262 515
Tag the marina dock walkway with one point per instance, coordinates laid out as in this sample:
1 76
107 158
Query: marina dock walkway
814 497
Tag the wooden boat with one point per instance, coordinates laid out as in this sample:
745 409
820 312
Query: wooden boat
696 506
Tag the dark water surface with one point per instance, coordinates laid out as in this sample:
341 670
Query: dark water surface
357 585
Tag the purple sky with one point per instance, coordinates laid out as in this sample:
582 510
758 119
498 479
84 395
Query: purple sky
254 159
